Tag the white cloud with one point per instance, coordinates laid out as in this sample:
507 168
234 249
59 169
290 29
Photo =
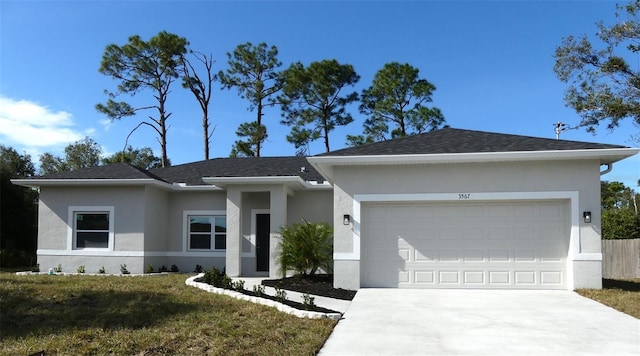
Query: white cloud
28 124
106 123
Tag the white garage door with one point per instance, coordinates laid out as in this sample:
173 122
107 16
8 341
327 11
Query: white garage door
465 245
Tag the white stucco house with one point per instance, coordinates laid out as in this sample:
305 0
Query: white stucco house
446 209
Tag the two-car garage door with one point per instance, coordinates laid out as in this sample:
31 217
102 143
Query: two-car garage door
465 245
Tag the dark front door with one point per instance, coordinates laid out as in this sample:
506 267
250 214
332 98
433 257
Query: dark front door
263 227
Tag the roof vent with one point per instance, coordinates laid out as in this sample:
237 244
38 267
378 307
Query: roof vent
303 169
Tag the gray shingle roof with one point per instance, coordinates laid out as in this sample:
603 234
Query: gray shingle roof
192 173
111 171
442 141
450 140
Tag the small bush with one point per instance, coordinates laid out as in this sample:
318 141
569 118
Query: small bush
174 268
213 277
101 270
36 268
198 269
258 289
149 268
226 281
58 268
281 295
308 301
238 285
163 268
124 270
80 269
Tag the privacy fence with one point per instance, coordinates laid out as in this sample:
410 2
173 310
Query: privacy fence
621 258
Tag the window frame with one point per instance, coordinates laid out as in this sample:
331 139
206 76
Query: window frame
72 232
212 214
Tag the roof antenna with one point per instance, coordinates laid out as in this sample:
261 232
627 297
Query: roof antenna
560 128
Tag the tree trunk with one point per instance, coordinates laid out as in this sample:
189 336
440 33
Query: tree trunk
205 131
163 141
259 120
326 134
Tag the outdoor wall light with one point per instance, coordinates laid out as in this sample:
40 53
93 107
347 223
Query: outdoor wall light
346 219
587 216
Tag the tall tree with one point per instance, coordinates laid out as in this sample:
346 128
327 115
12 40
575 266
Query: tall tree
603 85
200 87
252 136
253 71
140 65
620 218
18 210
140 157
397 97
314 102
80 154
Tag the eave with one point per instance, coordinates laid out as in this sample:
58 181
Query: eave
292 182
36 183
324 164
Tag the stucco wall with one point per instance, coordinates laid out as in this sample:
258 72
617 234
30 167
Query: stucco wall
181 201
581 176
128 221
311 205
156 215
128 203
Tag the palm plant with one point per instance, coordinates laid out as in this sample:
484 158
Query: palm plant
306 247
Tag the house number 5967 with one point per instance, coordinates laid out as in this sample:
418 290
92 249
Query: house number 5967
464 196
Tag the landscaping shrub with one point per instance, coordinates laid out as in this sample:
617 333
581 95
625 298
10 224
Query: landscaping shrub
214 277
306 247
620 224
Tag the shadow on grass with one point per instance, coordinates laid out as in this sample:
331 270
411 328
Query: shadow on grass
27 312
627 285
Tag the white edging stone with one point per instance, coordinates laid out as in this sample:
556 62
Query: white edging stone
270 303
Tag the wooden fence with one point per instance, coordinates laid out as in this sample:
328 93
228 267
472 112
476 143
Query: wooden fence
621 258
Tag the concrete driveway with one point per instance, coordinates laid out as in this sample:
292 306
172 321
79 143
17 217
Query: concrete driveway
481 322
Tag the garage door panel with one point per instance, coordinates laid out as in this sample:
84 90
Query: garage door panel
449 277
474 277
525 278
484 245
424 277
551 277
499 278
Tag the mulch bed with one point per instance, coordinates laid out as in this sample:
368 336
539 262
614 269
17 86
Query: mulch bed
321 285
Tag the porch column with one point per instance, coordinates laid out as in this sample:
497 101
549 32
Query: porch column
278 208
234 222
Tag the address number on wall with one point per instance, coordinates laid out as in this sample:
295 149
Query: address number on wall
464 196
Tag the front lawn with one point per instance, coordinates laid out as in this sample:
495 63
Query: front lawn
623 295
155 315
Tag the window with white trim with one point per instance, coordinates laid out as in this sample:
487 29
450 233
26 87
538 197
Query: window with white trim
207 232
91 227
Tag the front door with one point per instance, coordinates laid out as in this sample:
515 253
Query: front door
263 228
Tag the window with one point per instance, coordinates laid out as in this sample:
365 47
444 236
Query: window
207 232
91 227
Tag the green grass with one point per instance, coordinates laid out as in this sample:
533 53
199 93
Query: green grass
143 315
622 295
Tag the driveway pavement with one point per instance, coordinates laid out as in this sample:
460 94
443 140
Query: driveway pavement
481 322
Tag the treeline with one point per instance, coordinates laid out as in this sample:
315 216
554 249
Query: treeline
620 213
313 98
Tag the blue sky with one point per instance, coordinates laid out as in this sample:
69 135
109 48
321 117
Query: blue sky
491 62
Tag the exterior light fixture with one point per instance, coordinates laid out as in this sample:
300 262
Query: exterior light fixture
346 219
586 216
